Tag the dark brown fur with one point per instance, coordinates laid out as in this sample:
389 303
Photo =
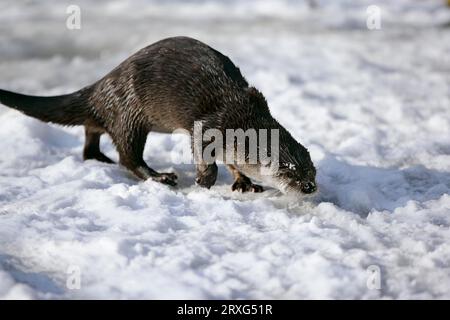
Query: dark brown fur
166 86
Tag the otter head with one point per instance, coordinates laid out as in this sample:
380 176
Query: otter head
295 171
297 176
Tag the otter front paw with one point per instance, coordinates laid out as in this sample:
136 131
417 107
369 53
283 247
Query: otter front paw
167 178
206 176
244 185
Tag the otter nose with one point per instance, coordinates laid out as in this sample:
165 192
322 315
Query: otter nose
309 187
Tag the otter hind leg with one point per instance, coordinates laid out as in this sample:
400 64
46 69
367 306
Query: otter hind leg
92 146
130 146
242 182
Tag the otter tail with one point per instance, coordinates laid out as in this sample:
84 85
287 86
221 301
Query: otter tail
69 109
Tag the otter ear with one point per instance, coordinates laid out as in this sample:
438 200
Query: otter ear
256 98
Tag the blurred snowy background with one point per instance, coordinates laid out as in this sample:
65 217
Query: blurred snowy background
373 107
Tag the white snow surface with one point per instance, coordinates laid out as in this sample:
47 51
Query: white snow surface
373 108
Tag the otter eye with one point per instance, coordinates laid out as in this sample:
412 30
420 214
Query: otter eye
289 174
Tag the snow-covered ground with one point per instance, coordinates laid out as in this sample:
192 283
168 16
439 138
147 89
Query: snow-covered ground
373 107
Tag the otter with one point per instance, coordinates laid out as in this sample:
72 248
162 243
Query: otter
166 86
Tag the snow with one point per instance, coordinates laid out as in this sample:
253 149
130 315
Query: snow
371 106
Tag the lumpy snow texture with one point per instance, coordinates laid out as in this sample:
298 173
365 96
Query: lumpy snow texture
372 106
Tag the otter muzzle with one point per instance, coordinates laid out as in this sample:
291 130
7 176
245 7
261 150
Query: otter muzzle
308 187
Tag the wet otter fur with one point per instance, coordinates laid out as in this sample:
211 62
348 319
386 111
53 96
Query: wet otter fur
167 86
